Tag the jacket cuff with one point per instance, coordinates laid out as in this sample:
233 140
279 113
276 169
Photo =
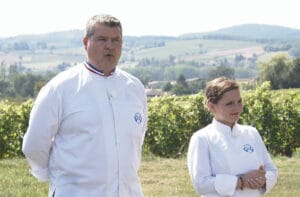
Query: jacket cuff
271 180
225 184
42 175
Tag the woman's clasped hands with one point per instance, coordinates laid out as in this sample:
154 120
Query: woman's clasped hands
254 179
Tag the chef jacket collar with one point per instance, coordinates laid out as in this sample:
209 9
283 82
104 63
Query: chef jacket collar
93 69
235 131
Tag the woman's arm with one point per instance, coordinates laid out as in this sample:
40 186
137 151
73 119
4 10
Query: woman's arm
270 168
199 165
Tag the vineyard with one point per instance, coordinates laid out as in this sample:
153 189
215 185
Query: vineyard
173 119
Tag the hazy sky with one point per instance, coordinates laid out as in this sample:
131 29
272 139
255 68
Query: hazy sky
145 17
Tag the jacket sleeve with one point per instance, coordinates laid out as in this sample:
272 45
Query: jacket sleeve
200 171
271 170
43 125
145 111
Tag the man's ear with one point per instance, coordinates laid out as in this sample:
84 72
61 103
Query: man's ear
85 41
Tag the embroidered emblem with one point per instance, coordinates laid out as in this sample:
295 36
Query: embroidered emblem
248 148
138 118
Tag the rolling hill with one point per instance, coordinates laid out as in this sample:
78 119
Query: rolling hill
46 51
253 32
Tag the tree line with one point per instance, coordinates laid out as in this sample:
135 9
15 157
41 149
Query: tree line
281 70
19 84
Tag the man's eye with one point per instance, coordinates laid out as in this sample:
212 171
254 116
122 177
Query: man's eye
116 40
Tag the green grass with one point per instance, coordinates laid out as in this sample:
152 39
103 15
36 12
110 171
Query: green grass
15 180
160 177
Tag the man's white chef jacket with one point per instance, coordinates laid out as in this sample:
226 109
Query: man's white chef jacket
217 155
86 133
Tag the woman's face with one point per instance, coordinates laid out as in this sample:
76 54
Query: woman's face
228 108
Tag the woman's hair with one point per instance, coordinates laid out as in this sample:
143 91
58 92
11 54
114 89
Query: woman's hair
216 88
105 19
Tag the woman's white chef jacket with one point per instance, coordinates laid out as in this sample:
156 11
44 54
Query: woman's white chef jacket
217 155
86 133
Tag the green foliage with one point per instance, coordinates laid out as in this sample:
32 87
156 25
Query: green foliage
276 118
221 71
183 87
294 77
13 124
295 50
173 119
281 71
164 136
22 86
167 87
276 115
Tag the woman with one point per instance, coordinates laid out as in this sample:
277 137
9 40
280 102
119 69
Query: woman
226 158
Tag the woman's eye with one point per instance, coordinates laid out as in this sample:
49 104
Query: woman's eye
230 103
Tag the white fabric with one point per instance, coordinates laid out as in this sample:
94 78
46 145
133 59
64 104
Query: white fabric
217 155
86 133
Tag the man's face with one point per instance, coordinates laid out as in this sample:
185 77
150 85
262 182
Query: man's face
104 48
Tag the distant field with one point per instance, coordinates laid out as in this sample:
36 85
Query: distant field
229 53
44 59
198 49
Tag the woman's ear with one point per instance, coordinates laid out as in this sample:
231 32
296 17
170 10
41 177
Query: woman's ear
211 107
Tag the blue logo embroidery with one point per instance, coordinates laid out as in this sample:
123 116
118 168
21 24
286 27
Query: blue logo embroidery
138 118
248 148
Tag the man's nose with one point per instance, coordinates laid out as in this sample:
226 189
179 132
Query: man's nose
109 44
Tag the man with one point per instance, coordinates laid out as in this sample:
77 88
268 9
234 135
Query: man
88 123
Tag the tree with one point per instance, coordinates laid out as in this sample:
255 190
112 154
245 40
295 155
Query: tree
295 74
24 85
13 70
167 87
181 86
220 71
145 78
295 51
181 80
20 46
172 59
277 70
41 45
238 58
4 85
3 70
63 66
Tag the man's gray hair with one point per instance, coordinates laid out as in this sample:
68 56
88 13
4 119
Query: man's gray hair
104 19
